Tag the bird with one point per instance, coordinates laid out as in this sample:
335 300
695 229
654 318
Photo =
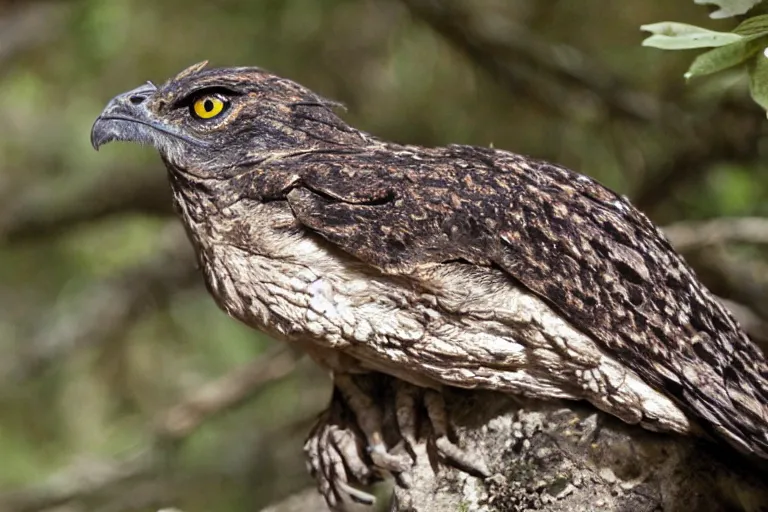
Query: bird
458 266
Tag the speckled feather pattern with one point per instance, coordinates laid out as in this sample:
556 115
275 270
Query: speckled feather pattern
462 266
583 249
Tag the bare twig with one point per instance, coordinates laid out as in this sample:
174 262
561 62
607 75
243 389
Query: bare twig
734 277
694 235
230 390
525 62
753 325
117 191
743 284
103 310
82 481
308 500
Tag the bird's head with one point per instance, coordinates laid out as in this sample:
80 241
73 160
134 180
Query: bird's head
209 122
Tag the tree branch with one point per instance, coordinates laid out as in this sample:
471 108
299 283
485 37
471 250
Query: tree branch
183 419
308 500
552 456
84 480
76 482
105 309
694 235
542 455
543 72
755 327
741 284
729 275
524 62
119 191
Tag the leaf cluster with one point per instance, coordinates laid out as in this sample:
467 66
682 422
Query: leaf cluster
746 45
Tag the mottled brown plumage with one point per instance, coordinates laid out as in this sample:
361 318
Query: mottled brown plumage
281 197
600 262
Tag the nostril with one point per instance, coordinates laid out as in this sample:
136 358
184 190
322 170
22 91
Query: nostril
137 99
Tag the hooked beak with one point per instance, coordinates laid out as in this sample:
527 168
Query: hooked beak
127 117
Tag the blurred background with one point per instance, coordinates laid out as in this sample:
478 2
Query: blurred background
124 388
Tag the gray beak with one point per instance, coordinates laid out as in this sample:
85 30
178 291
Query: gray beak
126 118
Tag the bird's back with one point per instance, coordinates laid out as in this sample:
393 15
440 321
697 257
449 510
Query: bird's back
583 249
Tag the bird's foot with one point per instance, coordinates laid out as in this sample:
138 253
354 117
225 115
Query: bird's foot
368 414
336 458
448 451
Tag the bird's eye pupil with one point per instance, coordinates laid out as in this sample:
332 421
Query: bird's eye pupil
207 107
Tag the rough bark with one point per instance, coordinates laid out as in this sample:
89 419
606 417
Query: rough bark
566 456
542 455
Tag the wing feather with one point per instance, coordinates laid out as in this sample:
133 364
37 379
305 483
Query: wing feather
585 250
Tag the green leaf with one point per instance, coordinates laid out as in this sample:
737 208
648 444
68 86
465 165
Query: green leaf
758 80
753 26
726 56
729 8
669 35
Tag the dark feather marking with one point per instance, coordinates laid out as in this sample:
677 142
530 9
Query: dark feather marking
645 296
595 259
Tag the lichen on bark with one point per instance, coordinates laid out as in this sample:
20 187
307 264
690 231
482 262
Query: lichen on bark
566 456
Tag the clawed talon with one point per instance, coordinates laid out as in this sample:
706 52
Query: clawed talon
448 451
336 457
384 459
348 446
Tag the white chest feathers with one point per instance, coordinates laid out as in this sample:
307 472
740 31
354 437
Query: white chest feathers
451 324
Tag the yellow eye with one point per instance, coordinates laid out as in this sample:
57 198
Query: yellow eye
208 107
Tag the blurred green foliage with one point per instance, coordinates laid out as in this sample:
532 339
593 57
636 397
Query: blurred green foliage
68 254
